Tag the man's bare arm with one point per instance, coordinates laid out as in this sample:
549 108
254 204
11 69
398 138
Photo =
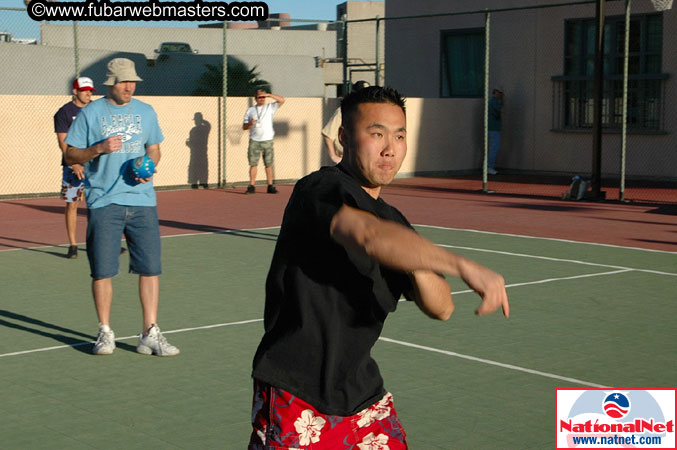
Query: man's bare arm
278 98
332 149
153 152
75 155
61 138
78 169
400 248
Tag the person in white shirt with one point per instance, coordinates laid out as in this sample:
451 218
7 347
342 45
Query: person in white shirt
330 132
259 121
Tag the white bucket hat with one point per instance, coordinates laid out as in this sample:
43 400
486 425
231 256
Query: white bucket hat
119 70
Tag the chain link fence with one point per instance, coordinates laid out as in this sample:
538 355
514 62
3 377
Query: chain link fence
435 57
183 79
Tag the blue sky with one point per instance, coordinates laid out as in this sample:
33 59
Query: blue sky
23 27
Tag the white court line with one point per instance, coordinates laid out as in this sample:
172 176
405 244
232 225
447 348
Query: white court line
243 230
206 327
546 239
472 358
421 347
493 363
549 258
549 280
451 246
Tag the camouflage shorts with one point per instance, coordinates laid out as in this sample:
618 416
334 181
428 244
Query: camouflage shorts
72 189
256 148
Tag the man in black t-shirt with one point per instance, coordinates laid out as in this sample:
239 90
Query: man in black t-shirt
72 187
342 260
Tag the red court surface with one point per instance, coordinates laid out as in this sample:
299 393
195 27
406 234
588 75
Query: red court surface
443 202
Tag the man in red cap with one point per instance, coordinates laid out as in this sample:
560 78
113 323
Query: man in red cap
72 188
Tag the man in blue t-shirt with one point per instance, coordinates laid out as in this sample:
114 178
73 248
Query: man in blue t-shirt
72 187
106 137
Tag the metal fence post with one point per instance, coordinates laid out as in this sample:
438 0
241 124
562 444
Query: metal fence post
224 125
76 49
624 132
377 74
487 34
346 82
596 179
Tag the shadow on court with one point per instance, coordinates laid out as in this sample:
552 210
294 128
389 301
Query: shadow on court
665 209
82 209
75 342
39 250
252 234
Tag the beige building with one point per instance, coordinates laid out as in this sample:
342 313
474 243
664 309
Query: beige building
543 60
365 45
297 60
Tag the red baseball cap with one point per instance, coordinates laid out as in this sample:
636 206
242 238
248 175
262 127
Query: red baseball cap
84 84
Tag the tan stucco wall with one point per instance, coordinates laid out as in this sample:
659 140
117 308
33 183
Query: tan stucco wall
444 136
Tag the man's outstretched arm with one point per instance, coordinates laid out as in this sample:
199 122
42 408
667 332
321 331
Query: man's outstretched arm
400 248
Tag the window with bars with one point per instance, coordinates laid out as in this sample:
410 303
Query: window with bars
574 90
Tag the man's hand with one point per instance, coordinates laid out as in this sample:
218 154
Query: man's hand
78 170
248 125
112 144
489 285
145 180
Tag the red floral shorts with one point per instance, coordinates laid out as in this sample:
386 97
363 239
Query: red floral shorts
282 421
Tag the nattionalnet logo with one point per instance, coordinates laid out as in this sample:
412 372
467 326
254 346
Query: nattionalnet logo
616 405
615 418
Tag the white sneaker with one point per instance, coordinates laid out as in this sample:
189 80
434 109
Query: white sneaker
154 343
491 171
105 341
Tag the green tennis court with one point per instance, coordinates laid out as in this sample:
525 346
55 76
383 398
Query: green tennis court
583 315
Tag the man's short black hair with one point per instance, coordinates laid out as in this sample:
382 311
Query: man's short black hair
371 94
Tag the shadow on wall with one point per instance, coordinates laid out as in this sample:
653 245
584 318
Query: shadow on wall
447 135
174 75
197 142
97 72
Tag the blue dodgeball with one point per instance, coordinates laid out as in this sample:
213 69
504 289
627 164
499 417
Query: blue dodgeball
143 167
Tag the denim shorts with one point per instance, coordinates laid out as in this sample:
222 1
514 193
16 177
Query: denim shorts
105 228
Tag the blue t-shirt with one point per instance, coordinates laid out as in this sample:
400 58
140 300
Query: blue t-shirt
108 178
495 106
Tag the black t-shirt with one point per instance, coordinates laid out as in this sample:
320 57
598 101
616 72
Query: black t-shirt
63 119
326 305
